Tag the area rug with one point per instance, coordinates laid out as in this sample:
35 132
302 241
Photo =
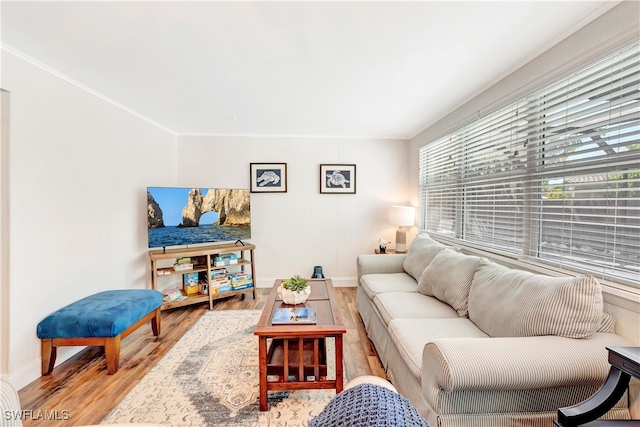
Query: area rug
210 378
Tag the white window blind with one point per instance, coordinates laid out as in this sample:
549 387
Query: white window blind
554 177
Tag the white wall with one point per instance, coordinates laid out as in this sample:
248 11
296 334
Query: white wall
79 171
297 230
4 234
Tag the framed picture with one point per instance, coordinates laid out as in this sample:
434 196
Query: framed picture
268 177
338 179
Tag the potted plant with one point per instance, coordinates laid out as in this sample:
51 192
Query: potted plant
294 290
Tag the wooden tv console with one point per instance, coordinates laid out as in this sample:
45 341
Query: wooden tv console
160 257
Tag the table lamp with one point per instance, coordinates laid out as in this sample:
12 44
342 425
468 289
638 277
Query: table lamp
403 216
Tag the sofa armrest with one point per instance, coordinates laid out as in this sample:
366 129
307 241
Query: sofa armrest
380 264
516 363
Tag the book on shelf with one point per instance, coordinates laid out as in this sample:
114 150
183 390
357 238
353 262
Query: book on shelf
174 294
225 259
240 279
220 281
182 266
293 316
240 276
223 263
243 286
224 288
219 273
191 283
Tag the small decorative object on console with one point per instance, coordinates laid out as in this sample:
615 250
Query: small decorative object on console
317 272
383 245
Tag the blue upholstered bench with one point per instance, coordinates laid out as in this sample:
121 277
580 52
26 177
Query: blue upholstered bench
103 319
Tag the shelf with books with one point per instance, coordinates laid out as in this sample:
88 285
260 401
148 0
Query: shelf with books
190 299
205 284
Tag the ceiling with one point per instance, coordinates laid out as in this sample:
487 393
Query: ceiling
348 69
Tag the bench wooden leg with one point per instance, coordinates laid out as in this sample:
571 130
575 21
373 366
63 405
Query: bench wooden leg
49 353
112 353
155 322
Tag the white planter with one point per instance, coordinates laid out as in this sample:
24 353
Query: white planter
291 297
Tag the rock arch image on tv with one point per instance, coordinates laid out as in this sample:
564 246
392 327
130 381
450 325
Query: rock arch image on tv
187 216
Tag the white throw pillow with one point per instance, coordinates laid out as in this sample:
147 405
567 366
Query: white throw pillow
506 302
448 277
421 252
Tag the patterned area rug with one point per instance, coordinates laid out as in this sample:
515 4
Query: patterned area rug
210 378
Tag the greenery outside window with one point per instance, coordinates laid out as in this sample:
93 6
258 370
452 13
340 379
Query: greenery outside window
554 177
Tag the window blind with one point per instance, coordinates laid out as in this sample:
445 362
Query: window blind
553 177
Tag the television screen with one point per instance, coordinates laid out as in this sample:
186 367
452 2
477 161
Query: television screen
188 216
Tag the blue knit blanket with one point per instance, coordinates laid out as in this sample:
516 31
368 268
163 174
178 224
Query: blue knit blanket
369 405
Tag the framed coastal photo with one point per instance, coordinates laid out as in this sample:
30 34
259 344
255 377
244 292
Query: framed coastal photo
338 179
268 177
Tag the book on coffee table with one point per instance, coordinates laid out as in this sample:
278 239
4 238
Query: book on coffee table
292 316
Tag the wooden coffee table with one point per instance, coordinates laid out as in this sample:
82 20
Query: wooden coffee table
282 365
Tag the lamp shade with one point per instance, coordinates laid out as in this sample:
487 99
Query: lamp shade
402 215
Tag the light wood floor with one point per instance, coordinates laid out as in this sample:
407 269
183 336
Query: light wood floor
82 387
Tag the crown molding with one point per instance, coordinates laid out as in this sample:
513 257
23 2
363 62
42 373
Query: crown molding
18 54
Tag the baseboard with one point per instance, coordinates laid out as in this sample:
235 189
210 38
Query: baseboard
338 282
32 371
25 375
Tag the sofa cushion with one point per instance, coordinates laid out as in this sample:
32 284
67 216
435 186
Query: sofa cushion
506 302
412 305
411 335
374 284
448 277
421 252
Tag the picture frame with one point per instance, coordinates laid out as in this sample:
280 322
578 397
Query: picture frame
337 179
268 177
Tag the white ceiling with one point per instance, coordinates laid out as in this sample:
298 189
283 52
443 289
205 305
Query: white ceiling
351 69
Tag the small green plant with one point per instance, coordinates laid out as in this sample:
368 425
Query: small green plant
296 283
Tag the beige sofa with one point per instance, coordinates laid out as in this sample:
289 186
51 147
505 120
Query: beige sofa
474 343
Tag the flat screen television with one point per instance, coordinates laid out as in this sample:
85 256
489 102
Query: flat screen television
180 216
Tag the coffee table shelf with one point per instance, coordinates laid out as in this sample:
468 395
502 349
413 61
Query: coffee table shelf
282 365
284 361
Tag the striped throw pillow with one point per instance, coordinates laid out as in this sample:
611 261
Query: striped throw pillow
421 253
448 278
506 302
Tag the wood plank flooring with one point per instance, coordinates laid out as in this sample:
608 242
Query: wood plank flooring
81 387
